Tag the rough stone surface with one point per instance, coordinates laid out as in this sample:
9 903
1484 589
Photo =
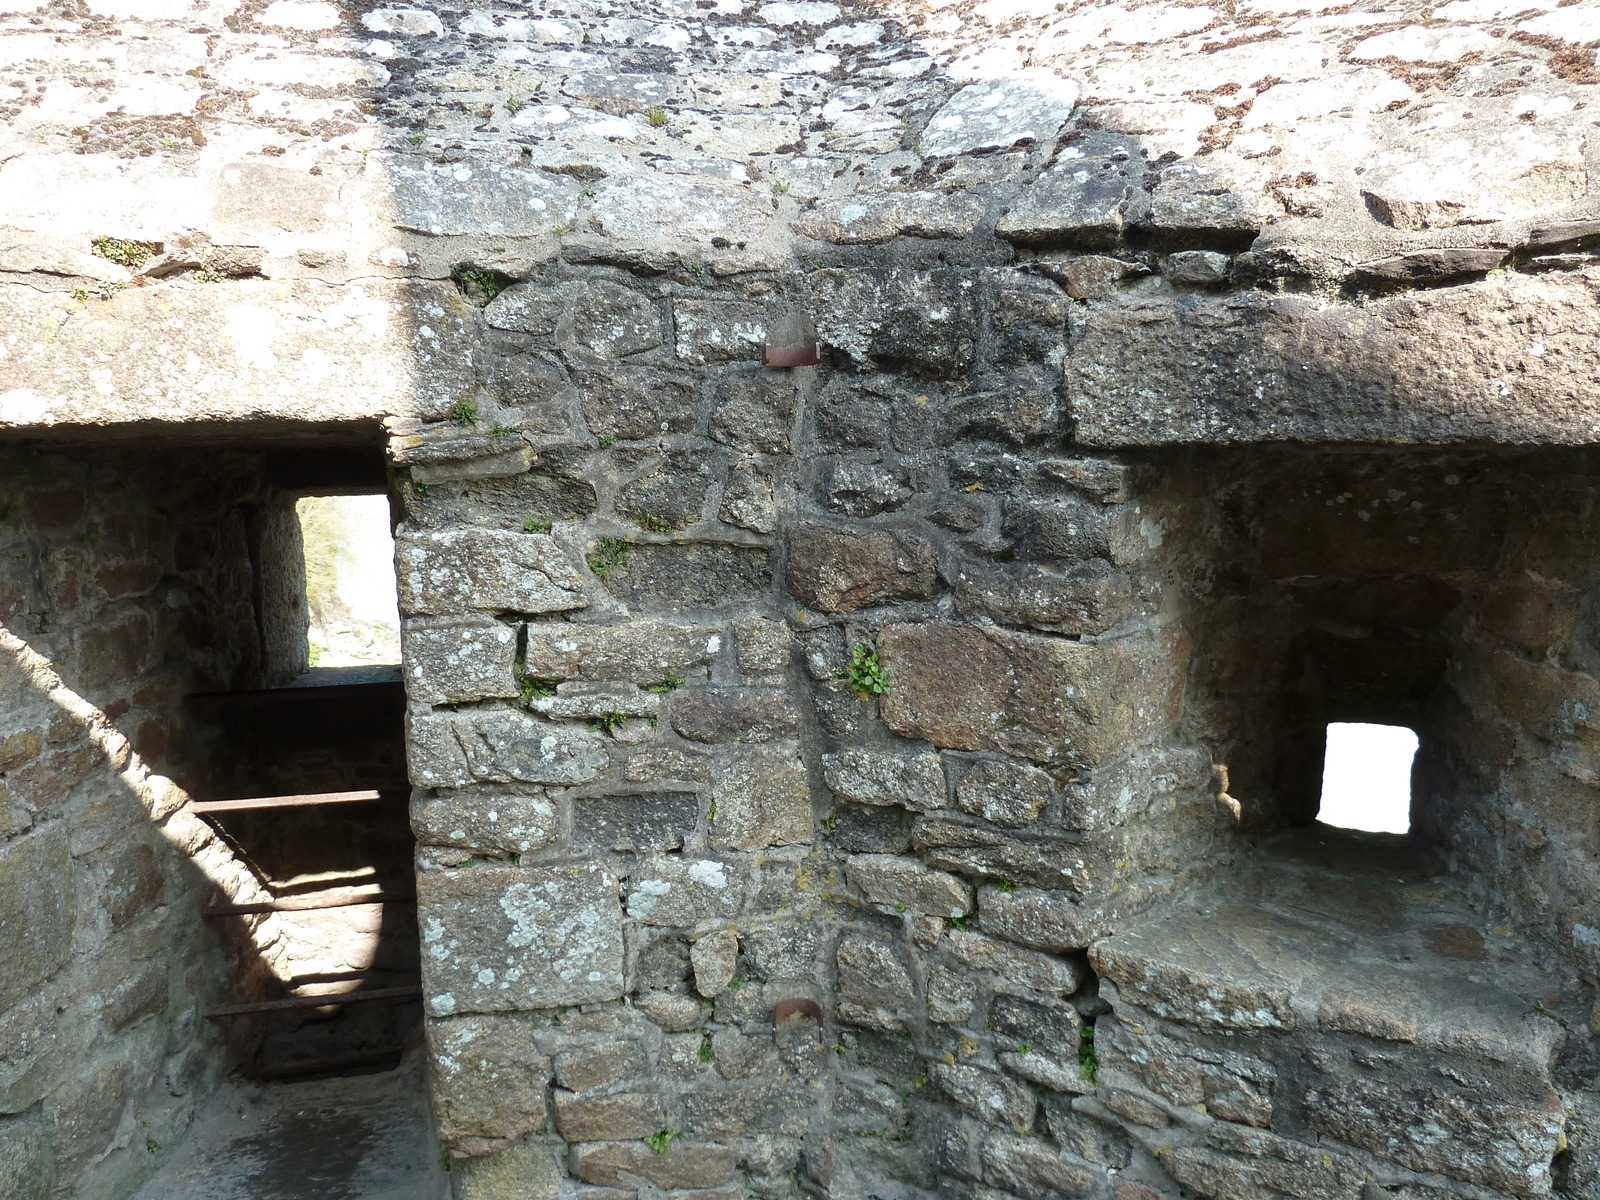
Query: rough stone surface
485 569
506 938
489 1080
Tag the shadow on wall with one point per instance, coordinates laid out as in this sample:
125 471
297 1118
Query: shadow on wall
127 583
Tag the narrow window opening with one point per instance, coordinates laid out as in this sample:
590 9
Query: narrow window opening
1366 777
352 617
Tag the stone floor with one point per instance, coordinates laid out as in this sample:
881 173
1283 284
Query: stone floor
361 1137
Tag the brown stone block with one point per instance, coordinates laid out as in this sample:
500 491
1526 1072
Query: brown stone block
127 579
1545 700
1032 1168
966 687
684 1165
582 1118
36 909
842 570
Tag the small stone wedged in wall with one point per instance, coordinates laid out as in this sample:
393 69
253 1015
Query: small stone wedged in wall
643 822
762 797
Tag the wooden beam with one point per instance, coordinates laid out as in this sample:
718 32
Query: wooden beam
343 899
362 797
288 1002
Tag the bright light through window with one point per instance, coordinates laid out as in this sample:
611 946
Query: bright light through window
350 588
1366 777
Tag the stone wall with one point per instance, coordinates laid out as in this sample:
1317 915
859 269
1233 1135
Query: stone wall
957 695
125 585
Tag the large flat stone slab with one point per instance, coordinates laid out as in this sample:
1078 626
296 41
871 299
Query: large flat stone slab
502 938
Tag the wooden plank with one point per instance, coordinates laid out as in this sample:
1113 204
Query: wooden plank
361 797
288 1002
346 899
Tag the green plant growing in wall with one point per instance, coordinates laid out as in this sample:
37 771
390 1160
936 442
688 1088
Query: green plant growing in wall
132 255
606 440
465 412
515 104
1088 1064
655 524
661 1140
707 1051
536 525
608 722
656 116
612 553
670 684
1002 884
479 283
501 430
529 688
865 673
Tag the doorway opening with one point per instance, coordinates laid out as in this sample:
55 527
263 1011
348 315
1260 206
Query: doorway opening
1366 777
351 614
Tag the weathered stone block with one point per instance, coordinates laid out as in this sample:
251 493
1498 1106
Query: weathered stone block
923 321
692 574
671 891
452 749
636 402
1088 598
460 660
1027 106
714 957
762 797
762 647
1234 969
588 1118
485 821
734 714
1014 967
905 883
493 201
36 910
1081 201
711 331
1053 920
865 219
489 1080
27 1169
842 570
608 320
756 412
684 1165
974 688
914 781
652 821
525 308
749 1107
1034 1169
1251 1164
643 652
1233 1086
498 938
528 1170
875 989
1004 793
489 569
672 494
1498 1141
600 1064
987 1095
979 850
673 1011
